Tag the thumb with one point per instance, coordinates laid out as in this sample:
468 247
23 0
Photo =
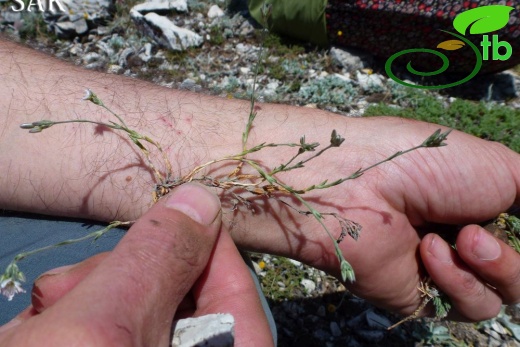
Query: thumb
140 284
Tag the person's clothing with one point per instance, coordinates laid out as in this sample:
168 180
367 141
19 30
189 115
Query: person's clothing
383 28
300 19
20 232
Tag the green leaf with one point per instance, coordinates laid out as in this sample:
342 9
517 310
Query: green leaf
442 305
482 20
451 45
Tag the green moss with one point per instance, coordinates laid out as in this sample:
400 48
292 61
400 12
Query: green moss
282 47
485 120
282 280
276 71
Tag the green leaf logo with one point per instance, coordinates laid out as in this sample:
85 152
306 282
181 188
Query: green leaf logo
482 20
451 45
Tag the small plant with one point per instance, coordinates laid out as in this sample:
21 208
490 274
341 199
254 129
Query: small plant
263 183
330 90
216 36
510 226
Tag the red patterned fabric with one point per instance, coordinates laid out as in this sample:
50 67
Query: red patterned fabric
383 28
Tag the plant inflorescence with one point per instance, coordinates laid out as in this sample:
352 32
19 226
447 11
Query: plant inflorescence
263 183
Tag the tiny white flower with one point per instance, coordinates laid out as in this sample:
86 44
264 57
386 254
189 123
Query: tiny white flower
9 288
88 95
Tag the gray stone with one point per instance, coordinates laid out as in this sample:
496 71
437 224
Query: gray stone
377 321
370 82
77 17
502 87
123 57
10 17
309 285
509 324
161 5
105 48
212 330
246 29
76 49
369 319
191 85
350 59
70 29
334 329
97 65
115 69
215 11
164 32
91 57
146 52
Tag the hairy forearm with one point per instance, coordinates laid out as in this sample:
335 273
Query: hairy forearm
87 171
83 170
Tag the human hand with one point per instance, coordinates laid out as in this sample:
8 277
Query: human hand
469 181
131 295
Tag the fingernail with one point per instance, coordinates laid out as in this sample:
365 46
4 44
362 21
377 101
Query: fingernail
11 324
55 271
440 250
485 246
196 202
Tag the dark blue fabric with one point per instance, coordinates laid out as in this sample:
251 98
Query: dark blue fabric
25 232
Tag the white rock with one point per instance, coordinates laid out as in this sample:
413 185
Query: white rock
241 48
146 52
162 30
66 29
292 261
308 285
115 69
350 59
496 326
91 57
244 70
371 82
162 5
215 11
213 330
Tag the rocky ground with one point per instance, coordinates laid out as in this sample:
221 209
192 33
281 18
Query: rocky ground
216 51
